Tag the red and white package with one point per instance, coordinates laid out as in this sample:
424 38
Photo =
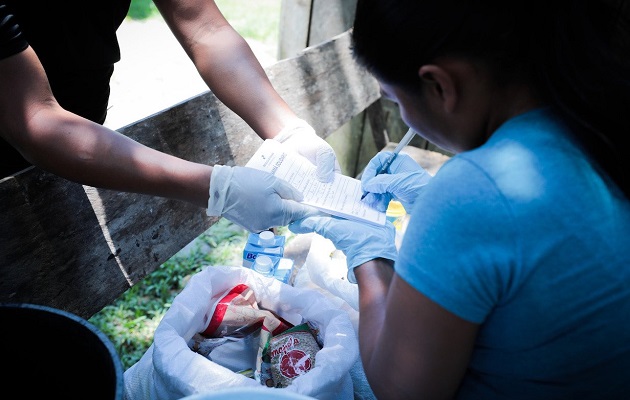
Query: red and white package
236 314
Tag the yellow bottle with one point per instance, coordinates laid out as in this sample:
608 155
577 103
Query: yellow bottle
395 214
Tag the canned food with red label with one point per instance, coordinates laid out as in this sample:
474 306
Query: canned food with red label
292 354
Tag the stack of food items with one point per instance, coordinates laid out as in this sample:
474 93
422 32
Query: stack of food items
250 340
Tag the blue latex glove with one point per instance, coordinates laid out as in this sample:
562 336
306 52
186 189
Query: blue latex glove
253 199
360 242
402 181
301 137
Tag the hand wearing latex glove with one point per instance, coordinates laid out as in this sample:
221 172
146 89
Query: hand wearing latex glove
402 181
253 199
360 242
301 137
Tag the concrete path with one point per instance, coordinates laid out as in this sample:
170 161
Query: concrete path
155 72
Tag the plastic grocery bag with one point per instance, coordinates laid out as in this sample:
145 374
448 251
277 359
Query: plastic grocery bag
171 370
325 270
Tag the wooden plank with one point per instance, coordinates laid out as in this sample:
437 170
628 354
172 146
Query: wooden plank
376 117
295 17
306 23
329 18
77 248
50 247
324 85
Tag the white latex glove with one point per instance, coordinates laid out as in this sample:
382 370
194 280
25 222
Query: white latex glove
360 242
402 181
301 137
253 199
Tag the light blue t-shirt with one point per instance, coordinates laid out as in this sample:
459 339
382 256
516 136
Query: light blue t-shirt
526 238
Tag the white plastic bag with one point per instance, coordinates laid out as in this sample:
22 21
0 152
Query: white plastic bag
325 270
170 370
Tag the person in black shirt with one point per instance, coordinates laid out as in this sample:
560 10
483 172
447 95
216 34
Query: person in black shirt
76 42
71 47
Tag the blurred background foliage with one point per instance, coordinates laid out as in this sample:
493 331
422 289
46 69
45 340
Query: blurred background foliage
142 9
253 19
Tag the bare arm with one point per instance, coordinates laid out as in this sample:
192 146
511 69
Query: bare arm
227 64
79 150
410 346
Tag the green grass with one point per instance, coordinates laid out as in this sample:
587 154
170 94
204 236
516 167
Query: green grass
142 9
131 320
257 19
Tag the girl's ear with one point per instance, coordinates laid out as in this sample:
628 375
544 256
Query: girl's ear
441 87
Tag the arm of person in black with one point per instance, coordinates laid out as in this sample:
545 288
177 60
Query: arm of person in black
12 41
45 134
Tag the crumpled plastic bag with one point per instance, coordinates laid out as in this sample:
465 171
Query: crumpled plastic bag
171 370
325 270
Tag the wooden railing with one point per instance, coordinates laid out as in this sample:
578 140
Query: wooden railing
77 248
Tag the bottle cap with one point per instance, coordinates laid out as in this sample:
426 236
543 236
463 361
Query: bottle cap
263 264
266 238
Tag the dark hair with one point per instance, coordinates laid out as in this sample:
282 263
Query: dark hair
576 53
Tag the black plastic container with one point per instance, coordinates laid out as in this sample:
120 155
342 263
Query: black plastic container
50 353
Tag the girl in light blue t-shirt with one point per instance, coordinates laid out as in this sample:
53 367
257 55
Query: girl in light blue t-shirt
513 278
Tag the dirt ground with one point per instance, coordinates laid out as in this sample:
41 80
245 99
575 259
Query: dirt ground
155 72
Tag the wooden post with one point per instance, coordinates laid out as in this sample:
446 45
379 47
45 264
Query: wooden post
305 23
